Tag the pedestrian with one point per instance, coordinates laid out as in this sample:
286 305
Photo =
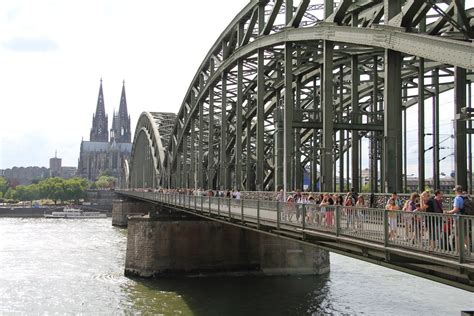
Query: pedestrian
392 207
433 221
458 209
237 194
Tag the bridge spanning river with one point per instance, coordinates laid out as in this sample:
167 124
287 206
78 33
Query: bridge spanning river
300 88
361 233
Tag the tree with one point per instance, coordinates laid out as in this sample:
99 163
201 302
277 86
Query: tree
53 188
106 182
10 194
27 192
3 185
76 188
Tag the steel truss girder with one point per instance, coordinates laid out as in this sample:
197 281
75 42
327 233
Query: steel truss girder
235 56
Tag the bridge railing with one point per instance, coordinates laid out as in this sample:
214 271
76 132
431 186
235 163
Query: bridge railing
442 234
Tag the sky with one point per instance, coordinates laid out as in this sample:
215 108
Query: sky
53 54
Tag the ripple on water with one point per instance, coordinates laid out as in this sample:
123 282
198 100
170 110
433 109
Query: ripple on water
65 266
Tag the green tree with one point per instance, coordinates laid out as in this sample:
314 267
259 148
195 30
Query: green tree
75 188
106 182
365 188
3 185
10 194
53 188
27 192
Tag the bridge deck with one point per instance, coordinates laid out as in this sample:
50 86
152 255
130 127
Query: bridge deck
422 244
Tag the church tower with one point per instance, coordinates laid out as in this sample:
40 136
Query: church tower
120 131
100 121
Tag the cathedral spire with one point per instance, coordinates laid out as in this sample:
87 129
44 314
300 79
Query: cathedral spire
99 131
123 112
121 126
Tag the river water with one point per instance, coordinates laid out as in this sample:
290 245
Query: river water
76 266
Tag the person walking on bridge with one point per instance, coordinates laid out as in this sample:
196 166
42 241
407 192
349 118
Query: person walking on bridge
458 209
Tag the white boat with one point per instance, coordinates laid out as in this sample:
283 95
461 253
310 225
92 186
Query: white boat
69 212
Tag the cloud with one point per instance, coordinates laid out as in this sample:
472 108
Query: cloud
30 45
12 14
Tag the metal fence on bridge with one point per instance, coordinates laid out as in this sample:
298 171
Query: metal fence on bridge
440 234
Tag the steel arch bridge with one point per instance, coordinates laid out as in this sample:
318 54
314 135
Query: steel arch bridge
295 87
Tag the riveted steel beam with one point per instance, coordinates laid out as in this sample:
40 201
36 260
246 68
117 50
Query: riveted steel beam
288 109
327 160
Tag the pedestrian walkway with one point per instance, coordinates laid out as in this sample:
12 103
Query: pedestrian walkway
440 240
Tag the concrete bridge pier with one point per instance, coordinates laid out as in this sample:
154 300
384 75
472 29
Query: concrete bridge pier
122 209
168 246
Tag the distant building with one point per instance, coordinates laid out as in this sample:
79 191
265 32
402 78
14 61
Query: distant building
104 155
446 184
54 166
25 175
57 170
68 172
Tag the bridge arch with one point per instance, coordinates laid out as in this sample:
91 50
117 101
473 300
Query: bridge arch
149 149
287 92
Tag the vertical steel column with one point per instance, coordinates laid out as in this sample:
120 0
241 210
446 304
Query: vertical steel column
298 168
435 82
260 124
405 152
248 164
373 141
460 123
341 132
392 108
224 183
328 108
288 106
260 145
334 171
184 170
460 127
279 143
405 160
179 174
192 165
314 162
238 127
328 117
200 162
469 134
421 125
348 163
288 11
355 119
288 119
210 140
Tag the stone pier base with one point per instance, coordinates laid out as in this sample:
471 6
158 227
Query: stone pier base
166 247
122 209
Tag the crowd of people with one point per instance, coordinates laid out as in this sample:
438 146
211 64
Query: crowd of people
408 221
236 194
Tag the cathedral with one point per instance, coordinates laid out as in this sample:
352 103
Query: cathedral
105 154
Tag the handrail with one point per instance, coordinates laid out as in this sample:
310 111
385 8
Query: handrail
433 233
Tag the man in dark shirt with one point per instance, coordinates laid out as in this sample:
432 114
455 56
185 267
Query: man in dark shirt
438 202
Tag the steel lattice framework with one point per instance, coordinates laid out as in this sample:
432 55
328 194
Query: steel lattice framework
290 87
152 136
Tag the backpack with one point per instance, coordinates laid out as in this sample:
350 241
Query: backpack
468 208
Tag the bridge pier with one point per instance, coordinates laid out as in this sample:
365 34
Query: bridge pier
169 246
121 209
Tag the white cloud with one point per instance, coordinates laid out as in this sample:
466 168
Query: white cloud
53 54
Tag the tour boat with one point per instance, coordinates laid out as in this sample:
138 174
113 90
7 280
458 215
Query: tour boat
69 212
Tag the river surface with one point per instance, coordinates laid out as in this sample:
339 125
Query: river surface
76 266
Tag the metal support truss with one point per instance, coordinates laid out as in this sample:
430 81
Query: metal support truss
308 95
